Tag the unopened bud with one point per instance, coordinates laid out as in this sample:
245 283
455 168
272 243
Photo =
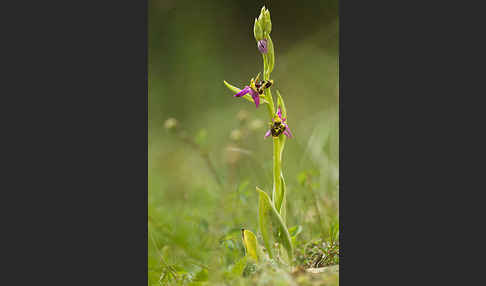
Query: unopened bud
257 30
262 46
262 11
266 23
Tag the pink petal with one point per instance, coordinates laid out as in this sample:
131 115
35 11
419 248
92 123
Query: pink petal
268 134
243 91
287 131
257 100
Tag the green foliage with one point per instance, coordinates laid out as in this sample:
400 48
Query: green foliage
334 231
251 244
233 88
294 232
270 56
201 137
319 253
238 268
201 276
272 227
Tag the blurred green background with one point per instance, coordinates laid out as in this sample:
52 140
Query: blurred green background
193 46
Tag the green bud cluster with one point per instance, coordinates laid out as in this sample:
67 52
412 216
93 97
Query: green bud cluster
261 31
263 25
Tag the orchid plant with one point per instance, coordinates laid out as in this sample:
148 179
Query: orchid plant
271 211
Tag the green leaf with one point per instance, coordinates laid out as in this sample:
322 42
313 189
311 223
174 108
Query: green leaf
295 230
272 226
201 276
250 243
239 266
231 87
270 55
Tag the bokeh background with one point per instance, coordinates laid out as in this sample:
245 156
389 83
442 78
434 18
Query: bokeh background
194 221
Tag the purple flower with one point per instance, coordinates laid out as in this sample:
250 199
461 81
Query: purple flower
254 94
262 46
279 126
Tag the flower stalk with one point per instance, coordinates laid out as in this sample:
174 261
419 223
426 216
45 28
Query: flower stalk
277 172
259 92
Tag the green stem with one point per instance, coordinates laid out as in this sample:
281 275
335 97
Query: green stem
270 106
278 144
277 170
267 92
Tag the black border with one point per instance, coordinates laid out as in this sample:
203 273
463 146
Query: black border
77 181
404 158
